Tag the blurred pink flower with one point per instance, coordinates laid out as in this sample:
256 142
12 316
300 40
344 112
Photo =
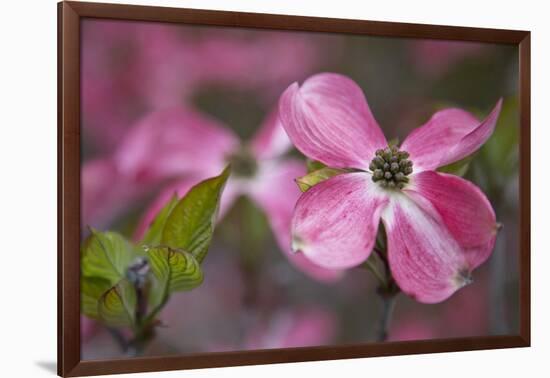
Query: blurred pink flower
439 227
292 329
435 58
248 62
112 184
109 91
181 143
131 68
105 192
174 142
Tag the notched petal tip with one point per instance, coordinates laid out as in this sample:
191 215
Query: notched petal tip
297 244
449 136
492 118
291 90
463 278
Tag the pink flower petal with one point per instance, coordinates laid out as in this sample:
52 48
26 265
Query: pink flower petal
425 260
276 193
462 207
450 135
271 140
174 142
328 119
336 221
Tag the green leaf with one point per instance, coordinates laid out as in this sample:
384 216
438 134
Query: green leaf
177 269
314 165
117 306
154 233
500 153
106 255
458 168
190 225
308 181
91 289
173 270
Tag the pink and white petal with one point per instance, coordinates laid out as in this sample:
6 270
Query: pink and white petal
425 260
462 207
276 192
175 141
335 222
450 135
180 188
271 140
328 119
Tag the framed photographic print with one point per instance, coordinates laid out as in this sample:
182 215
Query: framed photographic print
239 188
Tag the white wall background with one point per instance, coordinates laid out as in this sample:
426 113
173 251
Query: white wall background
28 186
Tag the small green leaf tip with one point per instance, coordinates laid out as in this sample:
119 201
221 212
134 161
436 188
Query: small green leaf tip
311 179
190 225
314 165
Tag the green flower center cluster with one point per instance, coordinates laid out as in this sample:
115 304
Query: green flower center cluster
243 163
390 168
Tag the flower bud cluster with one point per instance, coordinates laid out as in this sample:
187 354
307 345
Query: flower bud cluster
390 168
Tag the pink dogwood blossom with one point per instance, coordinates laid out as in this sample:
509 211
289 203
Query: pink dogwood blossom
439 227
186 144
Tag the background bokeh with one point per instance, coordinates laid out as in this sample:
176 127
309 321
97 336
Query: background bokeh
252 298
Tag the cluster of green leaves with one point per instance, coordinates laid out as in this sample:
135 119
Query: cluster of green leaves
172 251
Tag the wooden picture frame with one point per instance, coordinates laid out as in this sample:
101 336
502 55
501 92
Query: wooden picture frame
69 18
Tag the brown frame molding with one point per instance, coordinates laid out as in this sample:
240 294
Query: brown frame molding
69 15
